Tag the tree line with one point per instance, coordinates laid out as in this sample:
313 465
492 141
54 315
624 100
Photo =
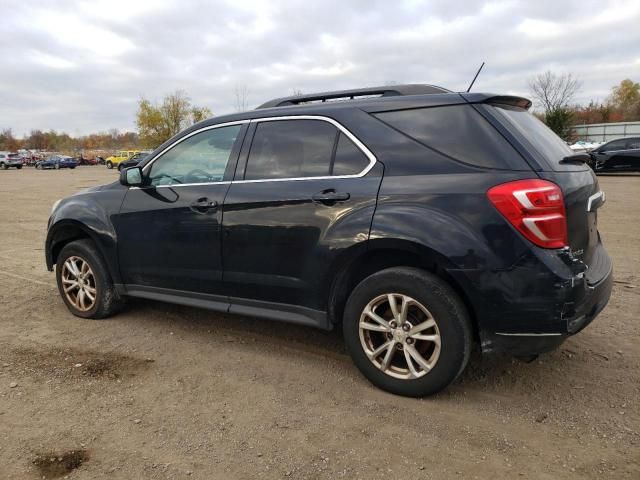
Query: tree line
156 122
555 94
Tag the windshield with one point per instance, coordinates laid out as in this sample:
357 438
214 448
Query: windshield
536 136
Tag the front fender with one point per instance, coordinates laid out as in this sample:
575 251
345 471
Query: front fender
86 215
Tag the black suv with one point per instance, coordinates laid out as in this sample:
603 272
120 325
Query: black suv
420 220
621 155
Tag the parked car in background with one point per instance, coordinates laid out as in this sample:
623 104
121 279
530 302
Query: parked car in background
57 162
10 160
121 156
133 161
621 155
86 161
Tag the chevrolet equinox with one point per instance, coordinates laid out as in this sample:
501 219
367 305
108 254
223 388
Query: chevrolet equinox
419 220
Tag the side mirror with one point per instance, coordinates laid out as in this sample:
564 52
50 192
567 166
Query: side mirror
131 177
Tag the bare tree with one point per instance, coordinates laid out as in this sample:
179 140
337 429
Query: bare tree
241 93
554 91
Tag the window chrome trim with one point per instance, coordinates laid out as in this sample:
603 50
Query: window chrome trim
361 146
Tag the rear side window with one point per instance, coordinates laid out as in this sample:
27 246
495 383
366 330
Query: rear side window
536 136
291 149
457 131
349 160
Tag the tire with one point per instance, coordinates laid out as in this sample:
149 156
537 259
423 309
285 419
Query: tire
109 165
106 301
119 167
435 302
19 167
57 166
3 166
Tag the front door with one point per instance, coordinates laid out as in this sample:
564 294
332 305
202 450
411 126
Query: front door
169 229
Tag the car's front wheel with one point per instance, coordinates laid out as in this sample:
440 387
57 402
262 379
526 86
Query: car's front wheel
407 331
84 282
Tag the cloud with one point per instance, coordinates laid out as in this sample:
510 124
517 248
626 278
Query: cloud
81 66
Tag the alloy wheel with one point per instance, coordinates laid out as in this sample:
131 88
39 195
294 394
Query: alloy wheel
400 336
79 283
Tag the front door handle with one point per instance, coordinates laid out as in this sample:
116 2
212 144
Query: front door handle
203 205
330 196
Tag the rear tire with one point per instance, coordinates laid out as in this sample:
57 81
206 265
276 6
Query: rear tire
3 166
81 270
428 338
19 167
109 165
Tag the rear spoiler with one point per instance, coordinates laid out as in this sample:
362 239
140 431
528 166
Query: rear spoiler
510 100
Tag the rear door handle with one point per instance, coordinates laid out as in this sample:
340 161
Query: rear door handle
330 196
203 205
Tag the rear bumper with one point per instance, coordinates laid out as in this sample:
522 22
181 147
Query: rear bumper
541 303
522 343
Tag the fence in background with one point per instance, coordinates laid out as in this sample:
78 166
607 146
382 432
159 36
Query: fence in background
603 132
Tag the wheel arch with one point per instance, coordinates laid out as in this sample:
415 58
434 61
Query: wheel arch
66 231
387 253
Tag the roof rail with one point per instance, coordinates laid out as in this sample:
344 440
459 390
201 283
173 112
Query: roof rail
385 91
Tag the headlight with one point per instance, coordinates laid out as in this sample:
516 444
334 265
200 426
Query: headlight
55 205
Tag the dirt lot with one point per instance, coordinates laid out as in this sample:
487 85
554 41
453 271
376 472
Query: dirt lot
163 391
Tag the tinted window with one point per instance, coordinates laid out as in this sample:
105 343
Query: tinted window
457 131
634 143
291 149
615 145
350 160
538 137
201 158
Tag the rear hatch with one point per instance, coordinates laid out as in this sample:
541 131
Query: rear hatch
545 152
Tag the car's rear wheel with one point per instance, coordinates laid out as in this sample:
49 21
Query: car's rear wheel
109 165
84 282
3 166
19 167
407 331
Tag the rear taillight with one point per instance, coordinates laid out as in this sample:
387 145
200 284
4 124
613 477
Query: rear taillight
535 208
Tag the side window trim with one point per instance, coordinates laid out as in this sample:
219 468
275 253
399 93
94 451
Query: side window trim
232 159
239 177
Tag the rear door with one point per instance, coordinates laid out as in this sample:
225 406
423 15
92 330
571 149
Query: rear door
304 192
582 195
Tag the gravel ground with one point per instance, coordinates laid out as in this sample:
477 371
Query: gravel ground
163 391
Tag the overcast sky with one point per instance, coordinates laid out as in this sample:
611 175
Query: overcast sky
81 66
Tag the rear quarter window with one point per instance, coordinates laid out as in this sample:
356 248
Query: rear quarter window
538 139
459 132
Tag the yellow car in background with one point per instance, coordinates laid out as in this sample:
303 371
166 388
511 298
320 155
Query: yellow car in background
120 156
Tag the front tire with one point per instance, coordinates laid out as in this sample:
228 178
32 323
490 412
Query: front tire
84 282
407 331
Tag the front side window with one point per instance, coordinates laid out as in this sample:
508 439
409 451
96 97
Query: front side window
615 145
291 149
201 158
